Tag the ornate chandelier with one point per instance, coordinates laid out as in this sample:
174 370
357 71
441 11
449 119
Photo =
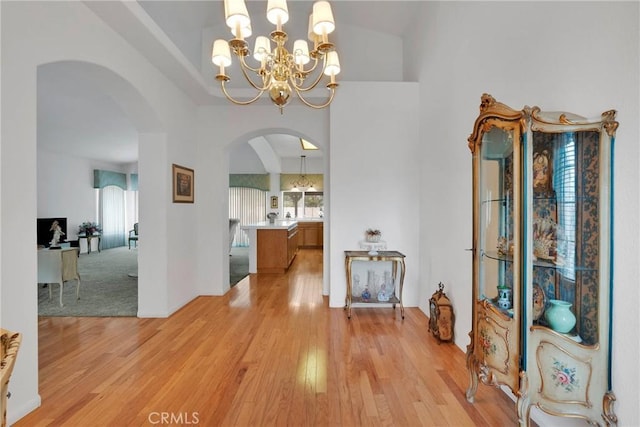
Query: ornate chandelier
278 71
303 183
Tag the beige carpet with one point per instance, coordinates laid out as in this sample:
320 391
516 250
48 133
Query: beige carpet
107 287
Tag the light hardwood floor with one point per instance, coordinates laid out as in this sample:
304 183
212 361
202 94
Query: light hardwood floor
270 352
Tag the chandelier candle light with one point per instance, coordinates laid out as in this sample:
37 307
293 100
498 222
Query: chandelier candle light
278 70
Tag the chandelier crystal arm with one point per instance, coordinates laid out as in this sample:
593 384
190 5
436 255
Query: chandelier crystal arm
315 83
261 73
317 106
304 73
244 65
224 90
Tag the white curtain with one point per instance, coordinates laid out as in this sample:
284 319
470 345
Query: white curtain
112 216
249 205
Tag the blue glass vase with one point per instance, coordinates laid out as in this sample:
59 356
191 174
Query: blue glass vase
559 316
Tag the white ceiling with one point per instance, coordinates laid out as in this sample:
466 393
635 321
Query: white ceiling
75 116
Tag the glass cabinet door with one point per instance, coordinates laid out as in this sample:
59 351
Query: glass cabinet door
565 232
566 357
494 356
496 220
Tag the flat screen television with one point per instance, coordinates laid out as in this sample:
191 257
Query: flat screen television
45 234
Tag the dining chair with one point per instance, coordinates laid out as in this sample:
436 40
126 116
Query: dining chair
133 236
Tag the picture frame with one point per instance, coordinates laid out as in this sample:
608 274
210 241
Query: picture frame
274 202
183 184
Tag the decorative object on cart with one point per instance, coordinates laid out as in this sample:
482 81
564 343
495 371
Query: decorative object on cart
89 228
387 287
504 297
366 295
372 236
441 315
382 293
278 71
371 279
543 180
356 284
559 316
372 248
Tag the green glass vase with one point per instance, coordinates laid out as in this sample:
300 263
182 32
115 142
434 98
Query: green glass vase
559 316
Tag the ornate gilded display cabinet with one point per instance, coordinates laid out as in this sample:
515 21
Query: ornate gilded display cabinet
542 259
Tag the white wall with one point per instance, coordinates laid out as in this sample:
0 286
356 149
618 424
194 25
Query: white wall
577 57
164 118
374 171
469 48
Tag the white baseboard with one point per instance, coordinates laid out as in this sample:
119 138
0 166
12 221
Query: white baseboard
14 414
150 315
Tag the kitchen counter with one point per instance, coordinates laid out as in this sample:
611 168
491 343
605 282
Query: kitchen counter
277 225
272 246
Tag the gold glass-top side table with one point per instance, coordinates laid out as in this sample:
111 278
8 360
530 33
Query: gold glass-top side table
386 289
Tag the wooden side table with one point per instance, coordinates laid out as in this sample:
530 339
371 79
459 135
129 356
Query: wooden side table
89 237
398 267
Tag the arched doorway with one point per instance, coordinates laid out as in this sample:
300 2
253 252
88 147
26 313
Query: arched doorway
89 117
277 153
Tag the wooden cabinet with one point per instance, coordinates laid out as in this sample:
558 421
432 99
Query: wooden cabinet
311 234
293 236
542 221
276 249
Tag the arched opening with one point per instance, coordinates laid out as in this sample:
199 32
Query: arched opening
276 154
89 118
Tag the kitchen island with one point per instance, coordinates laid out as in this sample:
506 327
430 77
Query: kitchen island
272 246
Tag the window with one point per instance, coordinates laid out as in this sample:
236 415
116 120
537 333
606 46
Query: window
303 204
111 202
565 179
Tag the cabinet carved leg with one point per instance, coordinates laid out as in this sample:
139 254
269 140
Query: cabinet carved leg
472 369
607 409
523 403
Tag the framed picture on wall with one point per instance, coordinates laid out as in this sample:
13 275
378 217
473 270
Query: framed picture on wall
274 202
182 184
